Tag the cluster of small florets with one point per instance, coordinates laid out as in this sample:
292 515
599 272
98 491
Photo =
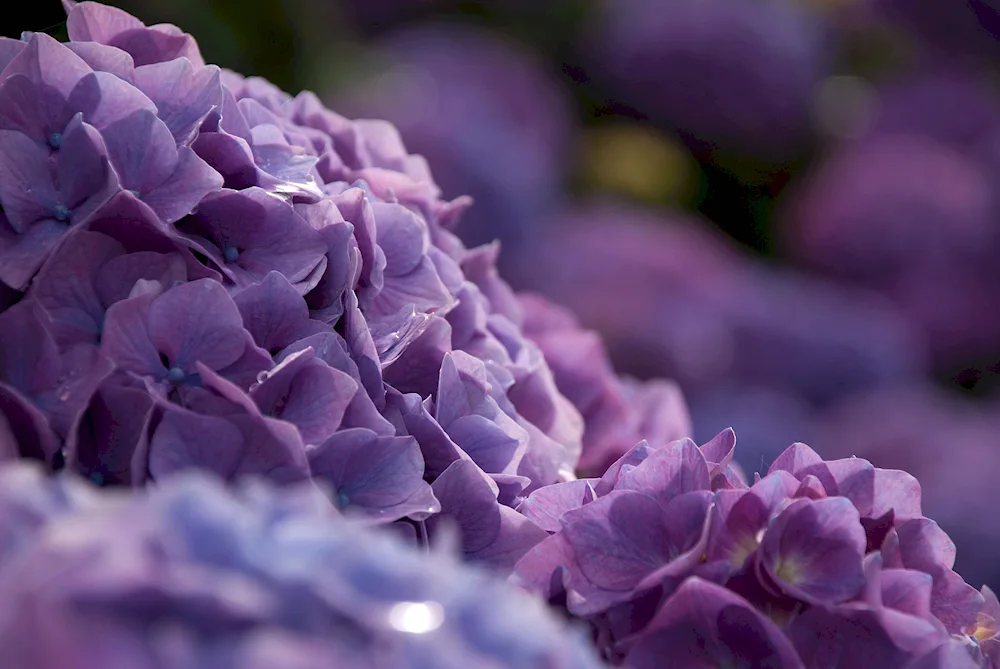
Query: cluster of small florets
198 271
671 553
255 577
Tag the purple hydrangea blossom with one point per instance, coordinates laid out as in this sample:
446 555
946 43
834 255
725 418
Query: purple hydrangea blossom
671 553
205 272
253 577
201 272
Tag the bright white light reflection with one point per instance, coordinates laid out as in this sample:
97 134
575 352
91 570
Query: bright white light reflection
416 617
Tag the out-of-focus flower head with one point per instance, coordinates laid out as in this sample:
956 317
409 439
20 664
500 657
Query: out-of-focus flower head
908 209
734 76
673 554
490 120
204 272
254 577
676 300
947 30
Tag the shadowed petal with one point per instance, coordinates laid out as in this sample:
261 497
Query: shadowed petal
705 625
547 505
379 477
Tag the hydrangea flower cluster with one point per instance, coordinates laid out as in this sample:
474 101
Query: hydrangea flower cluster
202 271
671 553
254 578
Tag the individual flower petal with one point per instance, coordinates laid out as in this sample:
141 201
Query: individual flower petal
307 393
29 427
107 445
197 322
275 314
22 255
332 349
184 94
103 58
65 286
814 549
236 441
491 533
677 468
250 233
547 505
57 381
703 624
618 540
854 636
378 477
921 544
92 21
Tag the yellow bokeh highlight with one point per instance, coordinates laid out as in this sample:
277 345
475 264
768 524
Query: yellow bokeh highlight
639 162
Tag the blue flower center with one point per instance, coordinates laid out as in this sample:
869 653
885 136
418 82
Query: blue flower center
136 194
55 140
175 375
342 500
60 212
231 253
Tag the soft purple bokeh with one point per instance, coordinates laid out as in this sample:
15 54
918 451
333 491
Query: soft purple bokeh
909 210
737 77
490 119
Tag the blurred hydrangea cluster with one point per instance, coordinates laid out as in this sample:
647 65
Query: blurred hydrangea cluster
252 578
201 272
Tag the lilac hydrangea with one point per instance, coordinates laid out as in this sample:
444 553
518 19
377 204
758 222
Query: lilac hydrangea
254 577
672 554
203 272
